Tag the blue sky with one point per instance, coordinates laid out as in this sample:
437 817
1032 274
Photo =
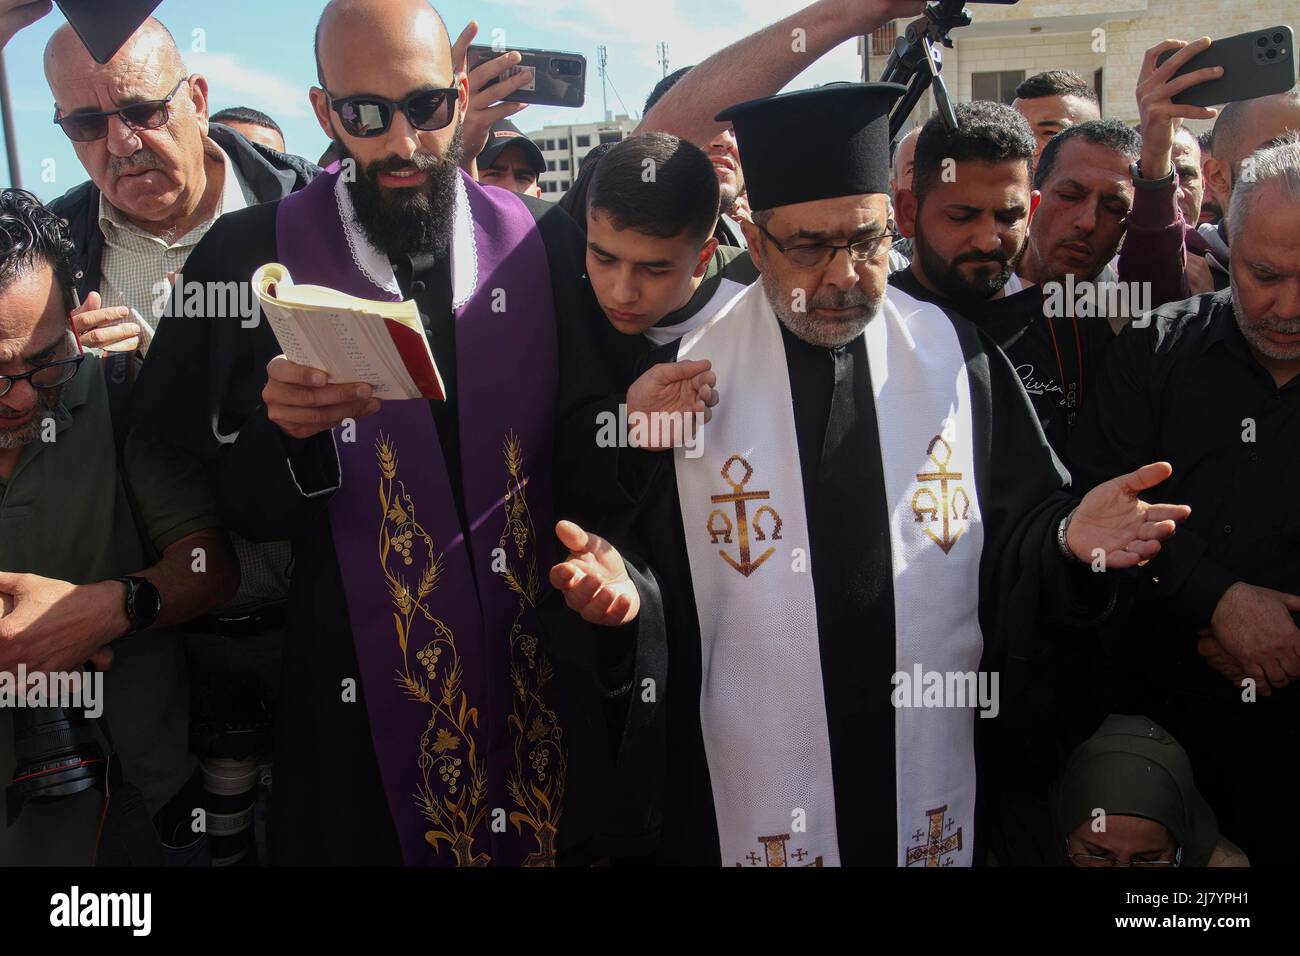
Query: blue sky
259 54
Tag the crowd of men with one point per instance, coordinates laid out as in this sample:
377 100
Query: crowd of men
773 460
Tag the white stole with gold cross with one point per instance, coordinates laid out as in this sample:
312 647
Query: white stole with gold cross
762 707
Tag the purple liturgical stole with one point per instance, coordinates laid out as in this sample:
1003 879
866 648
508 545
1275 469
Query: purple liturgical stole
459 695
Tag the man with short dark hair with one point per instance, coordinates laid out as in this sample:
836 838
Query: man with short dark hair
1086 193
652 259
105 549
969 213
969 205
254 125
1055 100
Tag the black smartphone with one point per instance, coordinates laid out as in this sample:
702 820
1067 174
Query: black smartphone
104 27
1258 63
557 79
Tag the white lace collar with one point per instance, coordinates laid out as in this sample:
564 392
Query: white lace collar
374 265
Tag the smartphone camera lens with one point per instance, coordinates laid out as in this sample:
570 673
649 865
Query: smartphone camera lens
1261 41
1272 54
1277 38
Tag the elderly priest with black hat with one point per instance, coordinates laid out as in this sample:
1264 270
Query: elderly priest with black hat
849 571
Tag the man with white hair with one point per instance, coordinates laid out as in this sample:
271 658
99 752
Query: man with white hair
1212 385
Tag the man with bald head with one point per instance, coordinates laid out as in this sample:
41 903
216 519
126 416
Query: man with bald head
160 174
900 179
1240 130
421 530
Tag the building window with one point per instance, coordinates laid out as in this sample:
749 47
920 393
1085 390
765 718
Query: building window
612 137
1000 87
550 145
564 165
883 39
564 144
584 141
564 184
550 165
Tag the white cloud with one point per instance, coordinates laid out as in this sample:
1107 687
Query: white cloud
230 81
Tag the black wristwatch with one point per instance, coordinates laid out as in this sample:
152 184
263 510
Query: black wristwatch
143 603
1135 170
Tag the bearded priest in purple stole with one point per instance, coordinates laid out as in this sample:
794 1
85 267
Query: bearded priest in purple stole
428 712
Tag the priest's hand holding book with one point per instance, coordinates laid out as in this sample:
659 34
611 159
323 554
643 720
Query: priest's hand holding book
1113 520
303 403
342 354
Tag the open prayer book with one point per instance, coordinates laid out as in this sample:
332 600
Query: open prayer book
350 339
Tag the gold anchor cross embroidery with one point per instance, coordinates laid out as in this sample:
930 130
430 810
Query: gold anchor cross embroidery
721 527
927 507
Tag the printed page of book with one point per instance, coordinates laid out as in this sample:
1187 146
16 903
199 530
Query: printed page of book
350 339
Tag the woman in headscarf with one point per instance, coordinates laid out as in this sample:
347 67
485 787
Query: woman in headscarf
1127 798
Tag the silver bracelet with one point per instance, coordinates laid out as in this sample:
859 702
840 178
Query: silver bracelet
1060 536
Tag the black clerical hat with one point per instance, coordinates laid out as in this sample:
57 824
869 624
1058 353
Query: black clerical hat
815 144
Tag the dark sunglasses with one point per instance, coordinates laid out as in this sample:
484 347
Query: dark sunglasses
88 127
364 116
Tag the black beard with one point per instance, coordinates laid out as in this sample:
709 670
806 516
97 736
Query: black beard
401 222
727 203
948 279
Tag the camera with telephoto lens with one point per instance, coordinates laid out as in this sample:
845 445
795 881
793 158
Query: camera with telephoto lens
56 754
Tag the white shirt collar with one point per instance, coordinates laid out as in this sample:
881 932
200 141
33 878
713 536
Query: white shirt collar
377 268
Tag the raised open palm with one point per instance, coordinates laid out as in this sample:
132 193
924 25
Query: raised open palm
1113 519
594 579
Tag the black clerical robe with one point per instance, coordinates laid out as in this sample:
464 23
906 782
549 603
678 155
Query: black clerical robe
1023 581
203 379
1057 359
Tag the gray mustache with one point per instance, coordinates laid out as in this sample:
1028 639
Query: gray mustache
851 299
136 162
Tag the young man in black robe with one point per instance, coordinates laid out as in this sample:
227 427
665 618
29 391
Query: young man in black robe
874 516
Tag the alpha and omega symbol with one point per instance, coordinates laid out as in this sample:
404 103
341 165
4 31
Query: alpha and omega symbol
737 472
947 508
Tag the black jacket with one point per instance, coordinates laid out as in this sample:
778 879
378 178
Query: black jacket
265 175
